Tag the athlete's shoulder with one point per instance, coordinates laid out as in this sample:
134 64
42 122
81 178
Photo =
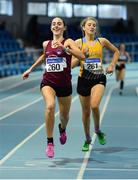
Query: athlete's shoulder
45 43
103 41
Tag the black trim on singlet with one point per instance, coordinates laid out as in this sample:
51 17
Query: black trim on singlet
99 40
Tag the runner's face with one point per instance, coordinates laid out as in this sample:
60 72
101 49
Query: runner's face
122 47
57 26
90 27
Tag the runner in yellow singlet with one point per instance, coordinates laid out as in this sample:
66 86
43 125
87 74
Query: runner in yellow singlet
92 80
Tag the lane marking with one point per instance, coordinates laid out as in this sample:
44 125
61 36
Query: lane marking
21 124
87 154
5 158
28 168
18 94
137 91
19 83
23 107
121 126
19 109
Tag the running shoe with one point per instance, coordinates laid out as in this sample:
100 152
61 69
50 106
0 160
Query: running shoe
101 137
120 93
63 136
50 150
85 146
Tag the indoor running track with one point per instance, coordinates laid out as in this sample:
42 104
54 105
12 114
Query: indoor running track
23 140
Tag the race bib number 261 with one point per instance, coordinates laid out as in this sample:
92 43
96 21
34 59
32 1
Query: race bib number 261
92 64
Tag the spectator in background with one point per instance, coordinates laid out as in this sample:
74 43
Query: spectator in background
32 32
120 26
3 25
130 26
120 66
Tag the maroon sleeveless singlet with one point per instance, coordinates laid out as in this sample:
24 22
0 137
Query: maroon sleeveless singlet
58 67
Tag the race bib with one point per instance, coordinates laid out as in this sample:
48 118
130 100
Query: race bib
92 64
55 64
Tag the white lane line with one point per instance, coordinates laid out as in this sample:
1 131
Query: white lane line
9 78
19 83
5 158
87 154
31 168
18 94
21 108
121 126
137 91
19 145
19 125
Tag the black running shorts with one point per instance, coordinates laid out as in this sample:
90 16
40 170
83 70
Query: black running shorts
60 91
84 85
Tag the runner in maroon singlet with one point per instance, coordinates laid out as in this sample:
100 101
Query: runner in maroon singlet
56 80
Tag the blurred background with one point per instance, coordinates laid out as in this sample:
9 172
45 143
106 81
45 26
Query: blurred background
25 24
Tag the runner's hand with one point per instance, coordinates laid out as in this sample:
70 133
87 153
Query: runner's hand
110 69
26 74
56 44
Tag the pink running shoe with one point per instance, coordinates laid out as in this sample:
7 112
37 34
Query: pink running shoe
63 136
50 150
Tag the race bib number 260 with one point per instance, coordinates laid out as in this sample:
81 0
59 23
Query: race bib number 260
55 64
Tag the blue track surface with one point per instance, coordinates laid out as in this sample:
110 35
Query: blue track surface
23 140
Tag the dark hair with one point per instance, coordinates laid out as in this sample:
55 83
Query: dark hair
64 23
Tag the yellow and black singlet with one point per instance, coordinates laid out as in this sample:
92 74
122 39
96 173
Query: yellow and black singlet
93 57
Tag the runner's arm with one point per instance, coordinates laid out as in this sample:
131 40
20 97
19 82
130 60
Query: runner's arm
72 48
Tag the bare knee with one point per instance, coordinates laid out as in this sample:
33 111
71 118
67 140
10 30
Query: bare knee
64 117
86 114
95 106
50 108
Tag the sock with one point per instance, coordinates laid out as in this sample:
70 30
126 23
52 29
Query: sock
50 140
121 84
97 130
88 138
60 129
